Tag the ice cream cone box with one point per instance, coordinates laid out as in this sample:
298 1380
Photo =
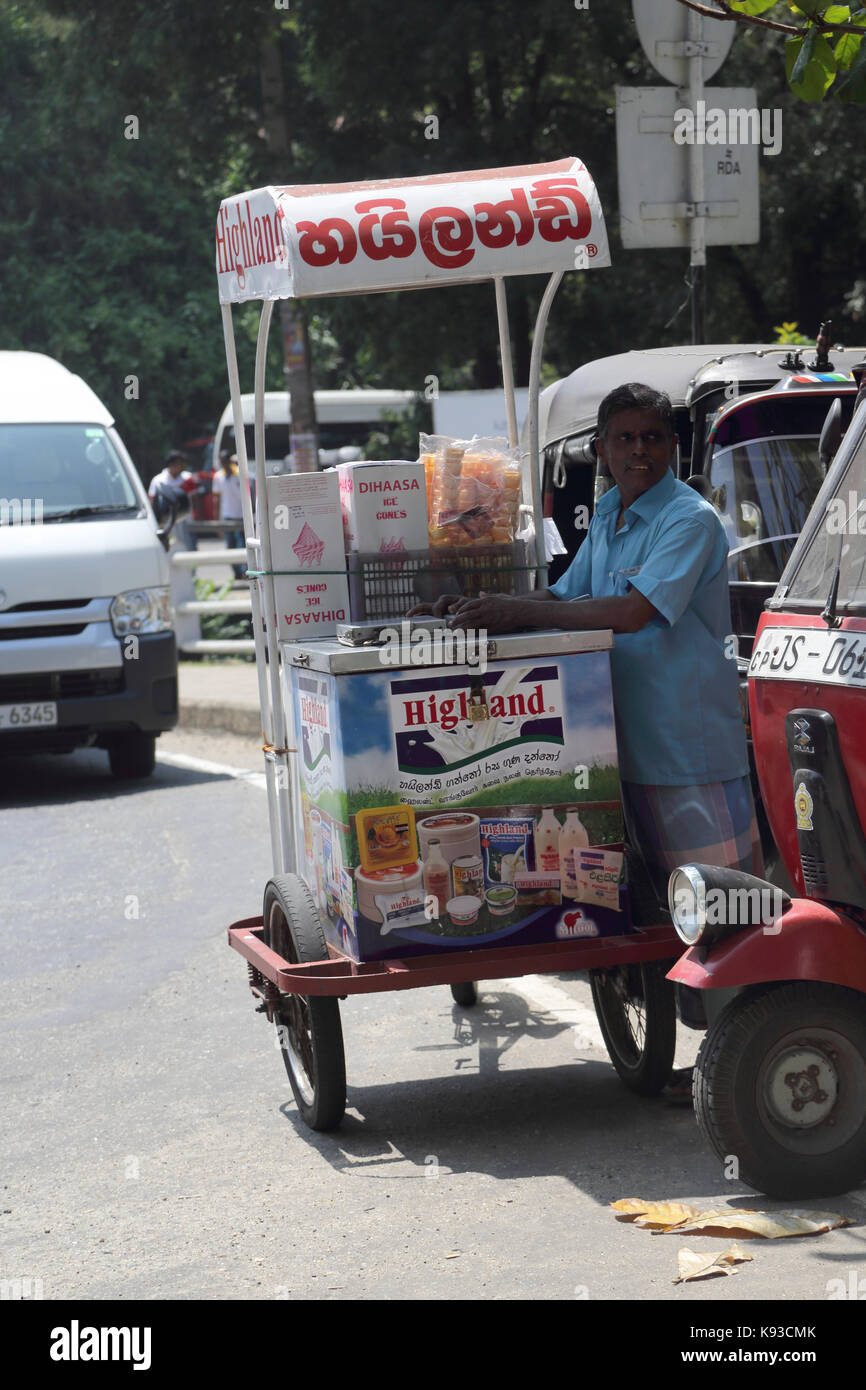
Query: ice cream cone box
431 799
306 531
384 506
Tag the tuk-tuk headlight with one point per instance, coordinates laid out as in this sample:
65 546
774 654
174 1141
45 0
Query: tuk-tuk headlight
707 903
687 900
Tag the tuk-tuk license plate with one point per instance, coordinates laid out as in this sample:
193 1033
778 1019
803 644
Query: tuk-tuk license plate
825 657
27 716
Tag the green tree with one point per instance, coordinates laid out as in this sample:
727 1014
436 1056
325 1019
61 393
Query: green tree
824 51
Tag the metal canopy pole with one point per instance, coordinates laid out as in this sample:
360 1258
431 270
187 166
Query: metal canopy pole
505 354
277 755
534 469
254 555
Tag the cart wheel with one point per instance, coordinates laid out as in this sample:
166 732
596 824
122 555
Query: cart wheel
636 1011
465 994
780 1084
311 1038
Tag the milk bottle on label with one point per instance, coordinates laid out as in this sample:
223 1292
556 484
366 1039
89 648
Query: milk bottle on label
437 877
573 837
547 833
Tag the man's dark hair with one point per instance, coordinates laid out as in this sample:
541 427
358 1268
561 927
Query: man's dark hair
635 396
175 456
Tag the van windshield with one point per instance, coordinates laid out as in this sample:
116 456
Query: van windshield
53 470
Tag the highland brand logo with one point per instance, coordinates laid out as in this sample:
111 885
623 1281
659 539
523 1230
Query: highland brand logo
449 713
452 721
244 240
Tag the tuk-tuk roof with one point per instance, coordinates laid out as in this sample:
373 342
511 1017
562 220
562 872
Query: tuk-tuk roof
570 406
760 368
311 240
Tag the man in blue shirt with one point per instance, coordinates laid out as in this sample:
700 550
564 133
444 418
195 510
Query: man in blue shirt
653 569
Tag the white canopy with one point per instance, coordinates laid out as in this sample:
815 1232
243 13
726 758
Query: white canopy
443 229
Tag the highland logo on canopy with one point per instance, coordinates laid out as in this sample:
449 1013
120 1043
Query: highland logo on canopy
244 240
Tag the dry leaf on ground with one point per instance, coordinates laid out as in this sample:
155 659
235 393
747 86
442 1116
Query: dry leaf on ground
770 1224
664 1217
650 1214
694 1265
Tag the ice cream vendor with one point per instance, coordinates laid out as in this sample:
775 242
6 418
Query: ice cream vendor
653 568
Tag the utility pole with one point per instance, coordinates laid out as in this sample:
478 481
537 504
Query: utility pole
697 195
297 367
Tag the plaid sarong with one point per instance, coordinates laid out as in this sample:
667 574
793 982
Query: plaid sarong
714 823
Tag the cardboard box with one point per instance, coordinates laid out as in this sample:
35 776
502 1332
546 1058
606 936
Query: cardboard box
384 506
306 531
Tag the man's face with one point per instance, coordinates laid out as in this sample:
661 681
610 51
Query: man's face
638 451
175 468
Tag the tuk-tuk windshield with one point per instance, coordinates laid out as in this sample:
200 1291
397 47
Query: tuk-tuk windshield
841 533
764 490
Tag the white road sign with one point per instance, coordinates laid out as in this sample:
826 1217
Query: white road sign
663 29
653 165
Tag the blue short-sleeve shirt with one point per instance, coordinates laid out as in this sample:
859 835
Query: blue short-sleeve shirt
675 690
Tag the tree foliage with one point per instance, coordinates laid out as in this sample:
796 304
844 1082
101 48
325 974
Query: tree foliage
824 52
108 239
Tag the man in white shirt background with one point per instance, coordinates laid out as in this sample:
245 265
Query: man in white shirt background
227 486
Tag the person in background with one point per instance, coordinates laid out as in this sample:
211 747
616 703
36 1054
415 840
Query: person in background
177 482
227 486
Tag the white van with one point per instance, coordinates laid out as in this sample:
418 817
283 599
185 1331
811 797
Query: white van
87 648
345 419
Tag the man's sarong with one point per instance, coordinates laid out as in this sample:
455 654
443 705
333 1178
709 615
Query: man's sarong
710 824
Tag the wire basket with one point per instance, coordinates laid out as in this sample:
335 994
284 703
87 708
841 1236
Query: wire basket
385 587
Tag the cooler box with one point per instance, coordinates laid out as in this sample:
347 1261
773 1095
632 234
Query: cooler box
398 749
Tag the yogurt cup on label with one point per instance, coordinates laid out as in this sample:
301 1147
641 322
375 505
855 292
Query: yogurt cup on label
501 900
464 910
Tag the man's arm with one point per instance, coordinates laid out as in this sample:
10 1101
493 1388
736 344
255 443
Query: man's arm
542 609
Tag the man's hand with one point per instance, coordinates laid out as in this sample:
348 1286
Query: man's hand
493 613
446 603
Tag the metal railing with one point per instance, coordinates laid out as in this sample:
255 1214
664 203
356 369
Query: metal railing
189 608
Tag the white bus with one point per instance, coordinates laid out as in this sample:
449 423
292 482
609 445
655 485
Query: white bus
346 419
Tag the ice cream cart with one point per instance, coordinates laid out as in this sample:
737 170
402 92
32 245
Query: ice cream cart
443 808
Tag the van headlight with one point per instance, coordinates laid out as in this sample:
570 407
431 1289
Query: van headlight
141 610
707 903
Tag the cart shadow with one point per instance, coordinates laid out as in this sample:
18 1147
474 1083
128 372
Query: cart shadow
575 1120
52 779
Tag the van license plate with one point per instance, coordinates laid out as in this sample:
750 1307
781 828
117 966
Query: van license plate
27 716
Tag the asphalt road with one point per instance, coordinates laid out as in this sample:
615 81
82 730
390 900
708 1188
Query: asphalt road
152 1147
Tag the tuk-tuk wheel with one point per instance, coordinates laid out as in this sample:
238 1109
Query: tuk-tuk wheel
780 1085
465 994
308 1029
636 1011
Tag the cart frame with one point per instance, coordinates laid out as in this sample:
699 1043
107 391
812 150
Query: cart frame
539 236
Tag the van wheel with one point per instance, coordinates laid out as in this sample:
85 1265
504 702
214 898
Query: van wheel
132 755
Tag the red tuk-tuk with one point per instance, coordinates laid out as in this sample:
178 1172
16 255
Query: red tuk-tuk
780 1080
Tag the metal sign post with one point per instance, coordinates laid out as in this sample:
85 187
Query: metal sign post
683 194
698 248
